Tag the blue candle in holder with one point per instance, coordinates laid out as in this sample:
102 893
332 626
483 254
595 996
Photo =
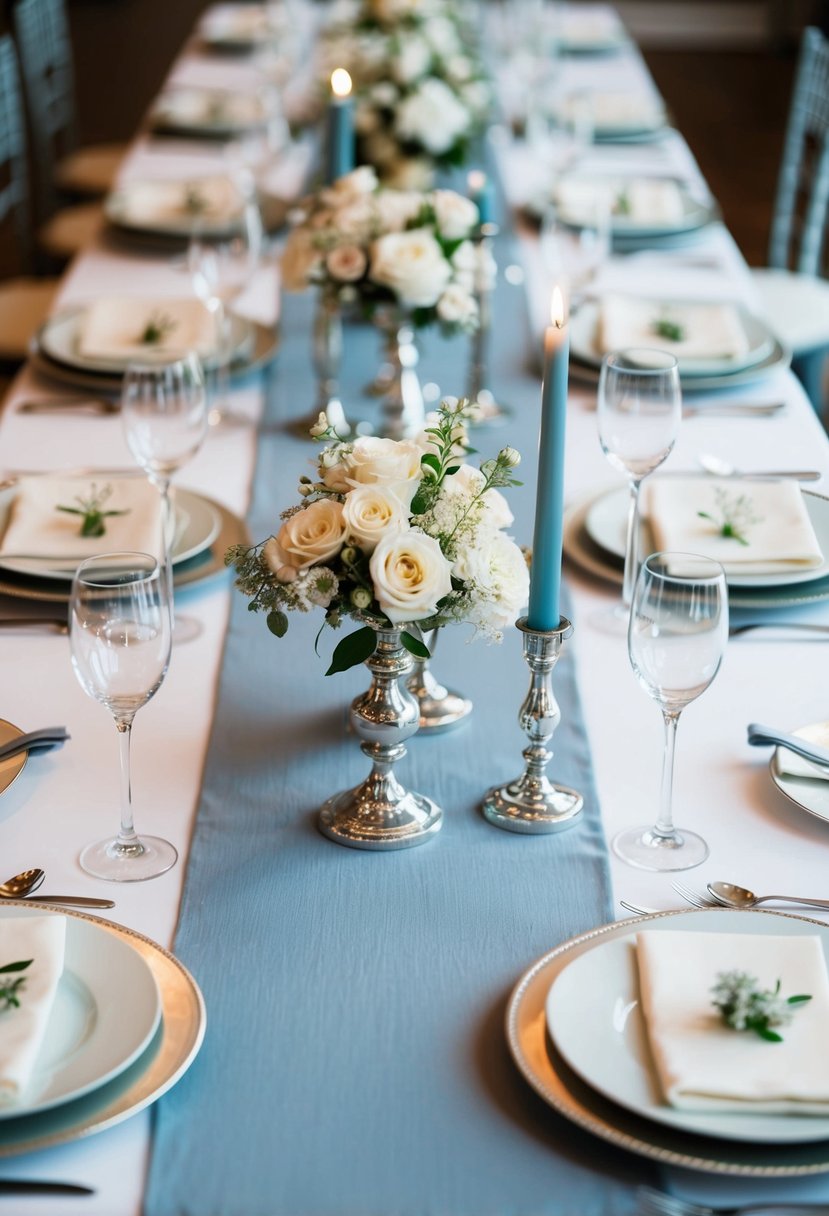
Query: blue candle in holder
480 192
545 572
340 150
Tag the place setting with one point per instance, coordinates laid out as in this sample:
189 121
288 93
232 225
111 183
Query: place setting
209 114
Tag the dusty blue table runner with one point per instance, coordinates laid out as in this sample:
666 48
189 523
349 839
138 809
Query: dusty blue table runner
355 1062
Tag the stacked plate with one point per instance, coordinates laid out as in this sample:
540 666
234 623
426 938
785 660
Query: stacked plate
594 539
126 1024
200 113
576 1032
763 355
56 351
237 30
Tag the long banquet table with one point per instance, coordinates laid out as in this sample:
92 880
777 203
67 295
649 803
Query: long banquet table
442 1124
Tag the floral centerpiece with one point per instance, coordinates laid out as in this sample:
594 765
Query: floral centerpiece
396 534
359 241
421 93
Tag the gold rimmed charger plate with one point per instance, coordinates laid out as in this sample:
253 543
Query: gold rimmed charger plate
545 1070
171 1052
205 565
10 769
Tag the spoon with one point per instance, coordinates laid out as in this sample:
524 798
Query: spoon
28 881
764 736
718 467
731 896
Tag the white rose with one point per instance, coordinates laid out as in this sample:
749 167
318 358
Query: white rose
457 307
468 481
392 463
413 60
372 512
442 33
309 537
500 581
346 263
356 219
459 68
432 116
456 216
410 576
395 208
412 265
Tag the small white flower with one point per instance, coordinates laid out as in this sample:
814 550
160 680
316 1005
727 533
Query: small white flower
457 307
499 580
320 426
413 59
432 116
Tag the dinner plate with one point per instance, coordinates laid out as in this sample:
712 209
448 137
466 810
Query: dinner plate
10 769
591 558
59 339
606 525
164 1060
106 1011
237 30
197 525
119 212
695 214
595 1020
204 565
545 1069
809 793
170 115
584 330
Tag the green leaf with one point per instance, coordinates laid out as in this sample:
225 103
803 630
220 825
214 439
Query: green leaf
798 1000
277 622
430 459
771 1036
415 646
450 472
354 649
16 966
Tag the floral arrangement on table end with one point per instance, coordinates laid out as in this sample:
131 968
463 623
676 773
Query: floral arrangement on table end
361 242
393 533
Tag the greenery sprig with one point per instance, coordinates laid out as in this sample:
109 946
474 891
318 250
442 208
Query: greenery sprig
744 1005
736 514
196 201
92 512
10 989
665 328
159 326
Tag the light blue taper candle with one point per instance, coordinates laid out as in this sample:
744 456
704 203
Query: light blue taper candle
480 192
545 572
340 150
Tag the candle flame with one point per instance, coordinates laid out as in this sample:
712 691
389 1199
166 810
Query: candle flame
557 309
476 180
340 82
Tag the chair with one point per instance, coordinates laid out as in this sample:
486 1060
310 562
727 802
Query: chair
42 34
796 301
24 301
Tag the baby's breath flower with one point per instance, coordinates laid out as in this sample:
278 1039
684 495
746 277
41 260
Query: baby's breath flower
743 1005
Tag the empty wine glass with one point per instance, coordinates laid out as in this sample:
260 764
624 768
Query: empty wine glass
639 411
575 245
676 639
119 631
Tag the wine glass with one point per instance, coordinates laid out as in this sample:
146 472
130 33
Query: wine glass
574 247
119 631
639 411
676 638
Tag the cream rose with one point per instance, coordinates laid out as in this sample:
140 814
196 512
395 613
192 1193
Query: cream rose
412 265
395 208
432 116
456 216
313 535
392 463
457 307
410 576
372 512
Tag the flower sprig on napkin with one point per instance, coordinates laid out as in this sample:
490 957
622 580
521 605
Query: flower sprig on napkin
394 534
672 330
744 1005
159 326
92 512
11 988
736 514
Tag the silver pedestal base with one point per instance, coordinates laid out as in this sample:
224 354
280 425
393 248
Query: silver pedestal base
352 819
551 809
442 713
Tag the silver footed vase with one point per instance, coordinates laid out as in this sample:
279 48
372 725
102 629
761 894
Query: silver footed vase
381 813
326 356
440 708
404 413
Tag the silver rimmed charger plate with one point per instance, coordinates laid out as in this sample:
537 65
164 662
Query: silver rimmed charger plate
588 556
811 794
170 1053
549 1075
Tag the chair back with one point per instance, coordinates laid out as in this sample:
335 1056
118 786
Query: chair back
800 209
42 33
14 175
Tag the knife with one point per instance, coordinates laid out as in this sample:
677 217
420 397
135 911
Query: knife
48 736
32 1186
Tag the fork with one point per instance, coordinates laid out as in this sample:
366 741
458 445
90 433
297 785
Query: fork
694 898
657 1203
737 410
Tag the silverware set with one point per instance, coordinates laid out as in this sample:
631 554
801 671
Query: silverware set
650 1202
24 884
727 895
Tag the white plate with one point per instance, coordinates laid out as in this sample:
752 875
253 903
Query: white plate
187 111
551 1077
584 330
197 526
106 1011
595 1019
694 215
119 211
606 525
59 339
809 793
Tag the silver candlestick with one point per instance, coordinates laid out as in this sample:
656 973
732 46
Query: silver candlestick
488 411
326 353
440 708
533 804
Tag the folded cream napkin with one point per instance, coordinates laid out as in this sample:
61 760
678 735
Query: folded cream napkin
636 201
243 21
37 529
770 516
788 764
705 1065
41 939
687 330
206 107
203 198
120 327
619 111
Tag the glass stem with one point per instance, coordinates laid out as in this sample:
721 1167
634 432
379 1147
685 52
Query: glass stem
168 525
665 823
127 842
631 544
